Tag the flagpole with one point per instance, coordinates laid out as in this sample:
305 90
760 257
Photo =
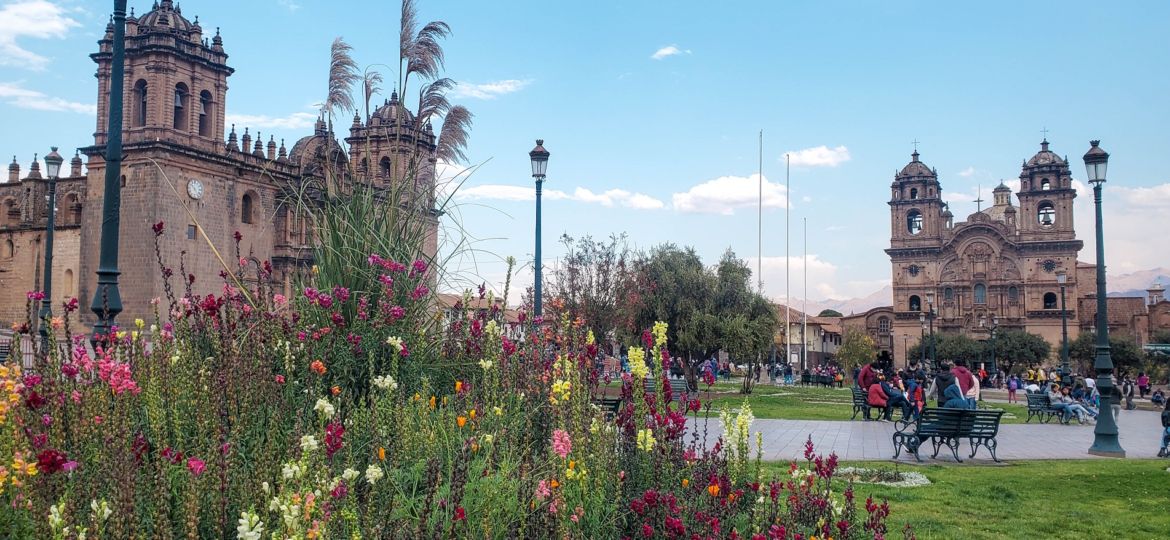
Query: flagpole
760 222
788 261
804 307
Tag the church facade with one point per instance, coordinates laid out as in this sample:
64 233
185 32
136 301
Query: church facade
999 268
178 169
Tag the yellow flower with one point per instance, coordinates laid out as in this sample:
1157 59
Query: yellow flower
471 414
315 270
498 410
659 332
637 360
432 402
685 483
713 490
646 440
139 323
458 386
589 339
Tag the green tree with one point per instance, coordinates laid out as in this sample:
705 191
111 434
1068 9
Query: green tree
677 289
596 281
1123 350
830 313
1160 336
950 347
856 349
1014 347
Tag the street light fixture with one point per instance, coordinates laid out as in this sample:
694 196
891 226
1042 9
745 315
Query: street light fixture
539 158
53 163
922 339
1062 279
930 321
1105 438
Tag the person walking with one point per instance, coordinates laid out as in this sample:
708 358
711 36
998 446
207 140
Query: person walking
1143 384
1013 385
1127 391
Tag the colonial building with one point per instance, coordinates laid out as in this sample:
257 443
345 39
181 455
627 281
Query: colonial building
1000 265
179 170
820 336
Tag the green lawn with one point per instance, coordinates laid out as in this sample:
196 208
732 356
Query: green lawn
1107 499
812 403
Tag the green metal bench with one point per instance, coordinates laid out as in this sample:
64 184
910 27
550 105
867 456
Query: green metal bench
860 403
1041 408
946 427
981 427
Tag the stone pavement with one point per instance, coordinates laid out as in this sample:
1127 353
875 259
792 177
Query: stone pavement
783 440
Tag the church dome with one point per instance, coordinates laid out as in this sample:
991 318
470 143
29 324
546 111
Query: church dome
164 17
392 111
916 169
309 153
1045 157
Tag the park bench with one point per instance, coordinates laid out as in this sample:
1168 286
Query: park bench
609 405
1041 408
5 350
860 403
946 427
678 387
805 379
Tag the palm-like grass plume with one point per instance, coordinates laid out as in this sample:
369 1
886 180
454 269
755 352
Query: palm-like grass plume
419 51
343 74
371 84
453 135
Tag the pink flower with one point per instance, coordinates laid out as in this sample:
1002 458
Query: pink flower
561 443
46 420
36 295
196 466
97 419
280 379
279 299
542 490
419 292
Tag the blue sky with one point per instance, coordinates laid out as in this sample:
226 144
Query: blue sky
652 111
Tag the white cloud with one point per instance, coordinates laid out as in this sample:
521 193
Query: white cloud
819 156
821 277
490 90
1132 217
290 5
609 198
15 94
725 194
37 19
297 120
968 172
669 50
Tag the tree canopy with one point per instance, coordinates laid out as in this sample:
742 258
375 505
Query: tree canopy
829 313
1123 349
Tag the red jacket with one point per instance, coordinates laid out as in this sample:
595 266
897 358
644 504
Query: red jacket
877 396
963 377
867 376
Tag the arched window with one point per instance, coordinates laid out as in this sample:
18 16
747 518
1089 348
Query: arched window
68 282
205 113
1013 294
980 293
139 106
246 208
364 166
181 106
915 303
914 222
913 193
884 325
1046 214
948 294
11 213
72 210
384 167
1045 185
1049 300
9 250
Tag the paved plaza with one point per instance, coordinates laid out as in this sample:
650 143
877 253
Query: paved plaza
784 440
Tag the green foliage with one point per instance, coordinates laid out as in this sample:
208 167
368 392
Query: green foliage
1017 347
596 281
1160 336
951 347
857 349
1123 350
829 313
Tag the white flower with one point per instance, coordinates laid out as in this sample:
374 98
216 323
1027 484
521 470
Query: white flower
325 408
308 443
487 439
350 474
274 504
267 489
288 471
55 519
101 509
250 527
386 382
374 473
396 342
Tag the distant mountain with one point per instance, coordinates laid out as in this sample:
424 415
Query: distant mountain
1131 284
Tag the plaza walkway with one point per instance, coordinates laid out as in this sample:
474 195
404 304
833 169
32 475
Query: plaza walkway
784 440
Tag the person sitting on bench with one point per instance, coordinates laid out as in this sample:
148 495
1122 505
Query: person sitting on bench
895 398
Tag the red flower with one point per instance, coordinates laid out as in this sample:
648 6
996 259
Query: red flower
460 515
158 228
333 437
280 379
51 461
196 466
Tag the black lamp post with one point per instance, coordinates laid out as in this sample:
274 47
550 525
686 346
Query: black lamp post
1062 279
922 340
1105 439
991 337
107 302
53 163
539 158
930 321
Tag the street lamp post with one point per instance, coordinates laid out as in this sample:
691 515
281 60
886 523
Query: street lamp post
107 302
994 326
53 163
1105 439
539 158
906 350
930 320
922 340
1062 279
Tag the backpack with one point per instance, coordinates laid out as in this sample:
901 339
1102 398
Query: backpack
1013 384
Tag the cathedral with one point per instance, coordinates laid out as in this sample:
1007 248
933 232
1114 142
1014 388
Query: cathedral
179 170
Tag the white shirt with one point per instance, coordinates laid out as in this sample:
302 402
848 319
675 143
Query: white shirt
1090 383
1032 388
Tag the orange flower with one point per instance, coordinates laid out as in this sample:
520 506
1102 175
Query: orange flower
572 464
731 498
686 483
432 402
318 367
335 390
458 386
713 490
381 453
554 484
462 421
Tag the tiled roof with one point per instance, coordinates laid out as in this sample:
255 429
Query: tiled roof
1122 310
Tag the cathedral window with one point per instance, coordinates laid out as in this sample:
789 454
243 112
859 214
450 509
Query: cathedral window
1045 185
246 208
11 213
949 294
205 113
9 249
914 222
68 282
72 210
1046 214
980 293
1049 300
1013 294
915 303
191 230
884 325
384 167
180 106
913 193
139 105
